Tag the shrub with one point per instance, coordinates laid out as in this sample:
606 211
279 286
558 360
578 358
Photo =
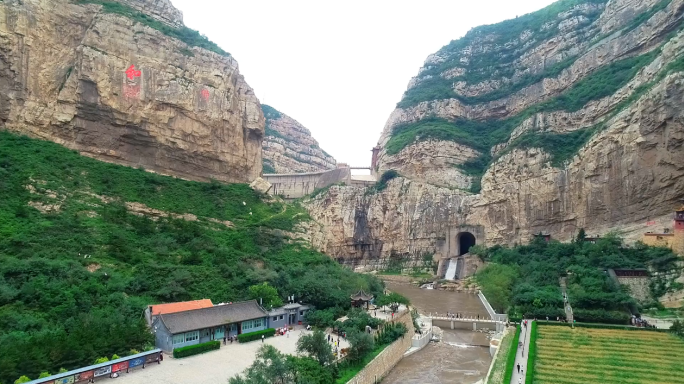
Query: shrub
196 349
601 326
390 333
22 379
512 353
601 316
531 353
101 360
188 36
115 356
247 337
43 375
385 178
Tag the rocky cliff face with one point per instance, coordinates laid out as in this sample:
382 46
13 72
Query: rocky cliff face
115 81
290 148
564 119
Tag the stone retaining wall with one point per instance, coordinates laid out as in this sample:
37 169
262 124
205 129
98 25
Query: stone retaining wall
388 358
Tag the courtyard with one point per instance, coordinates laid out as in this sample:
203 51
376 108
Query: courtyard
213 367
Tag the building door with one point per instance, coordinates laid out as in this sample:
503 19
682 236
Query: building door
292 318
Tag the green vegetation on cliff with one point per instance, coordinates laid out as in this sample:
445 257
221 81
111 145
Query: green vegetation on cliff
75 279
497 62
270 113
483 135
187 35
524 280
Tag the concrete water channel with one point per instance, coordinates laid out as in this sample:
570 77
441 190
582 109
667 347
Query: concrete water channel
461 357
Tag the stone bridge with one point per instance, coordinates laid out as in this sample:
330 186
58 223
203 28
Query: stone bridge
296 185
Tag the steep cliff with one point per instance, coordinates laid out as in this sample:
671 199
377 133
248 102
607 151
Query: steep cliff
566 118
127 82
289 146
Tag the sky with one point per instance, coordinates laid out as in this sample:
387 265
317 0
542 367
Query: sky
339 67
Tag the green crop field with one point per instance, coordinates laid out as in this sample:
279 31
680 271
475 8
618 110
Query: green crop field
607 356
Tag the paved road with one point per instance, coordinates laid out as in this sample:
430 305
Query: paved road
212 367
521 355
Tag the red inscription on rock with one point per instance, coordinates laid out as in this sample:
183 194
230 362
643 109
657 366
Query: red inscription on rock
131 72
205 94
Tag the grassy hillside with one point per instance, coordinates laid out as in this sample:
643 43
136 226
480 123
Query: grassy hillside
61 308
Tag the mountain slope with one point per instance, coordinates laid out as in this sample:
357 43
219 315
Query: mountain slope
86 245
563 119
126 82
289 146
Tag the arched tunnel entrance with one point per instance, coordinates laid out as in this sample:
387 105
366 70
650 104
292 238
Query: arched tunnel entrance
465 241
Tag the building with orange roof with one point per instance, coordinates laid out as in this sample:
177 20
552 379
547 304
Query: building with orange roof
155 310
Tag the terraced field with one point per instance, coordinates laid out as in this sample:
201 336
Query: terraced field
607 356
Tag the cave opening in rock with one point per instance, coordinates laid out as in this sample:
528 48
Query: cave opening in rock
465 241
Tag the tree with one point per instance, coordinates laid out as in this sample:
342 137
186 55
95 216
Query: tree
306 370
270 366
266 294
361 344
393 300
316 346
581 235
677 328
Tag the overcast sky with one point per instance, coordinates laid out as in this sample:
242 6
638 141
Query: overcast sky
339 67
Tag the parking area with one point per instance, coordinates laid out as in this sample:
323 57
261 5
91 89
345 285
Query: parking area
212 367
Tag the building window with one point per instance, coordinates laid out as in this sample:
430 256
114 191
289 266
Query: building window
275 318
205 333
233 327
282 316
179 339
246 325
301 313
191 336
258 323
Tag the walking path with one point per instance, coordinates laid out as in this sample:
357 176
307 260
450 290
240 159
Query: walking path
521 355
566 301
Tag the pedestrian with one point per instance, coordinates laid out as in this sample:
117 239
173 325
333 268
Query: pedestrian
262 339
287 334
520 380
518 367
328 338
231 339
224 340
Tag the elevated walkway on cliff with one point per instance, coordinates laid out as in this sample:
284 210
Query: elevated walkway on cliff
296 185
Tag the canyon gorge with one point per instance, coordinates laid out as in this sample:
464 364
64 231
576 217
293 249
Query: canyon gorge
566 118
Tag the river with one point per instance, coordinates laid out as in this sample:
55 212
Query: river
457 359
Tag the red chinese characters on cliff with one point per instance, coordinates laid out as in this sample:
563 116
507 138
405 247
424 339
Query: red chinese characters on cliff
131 84
205 94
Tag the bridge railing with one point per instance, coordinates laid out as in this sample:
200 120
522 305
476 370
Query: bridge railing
496 316
462 317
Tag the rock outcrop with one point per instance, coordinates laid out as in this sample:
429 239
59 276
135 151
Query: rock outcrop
556 155
102 80
290 148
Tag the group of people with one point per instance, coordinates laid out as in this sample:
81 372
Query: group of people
457 315
641 323
226 338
